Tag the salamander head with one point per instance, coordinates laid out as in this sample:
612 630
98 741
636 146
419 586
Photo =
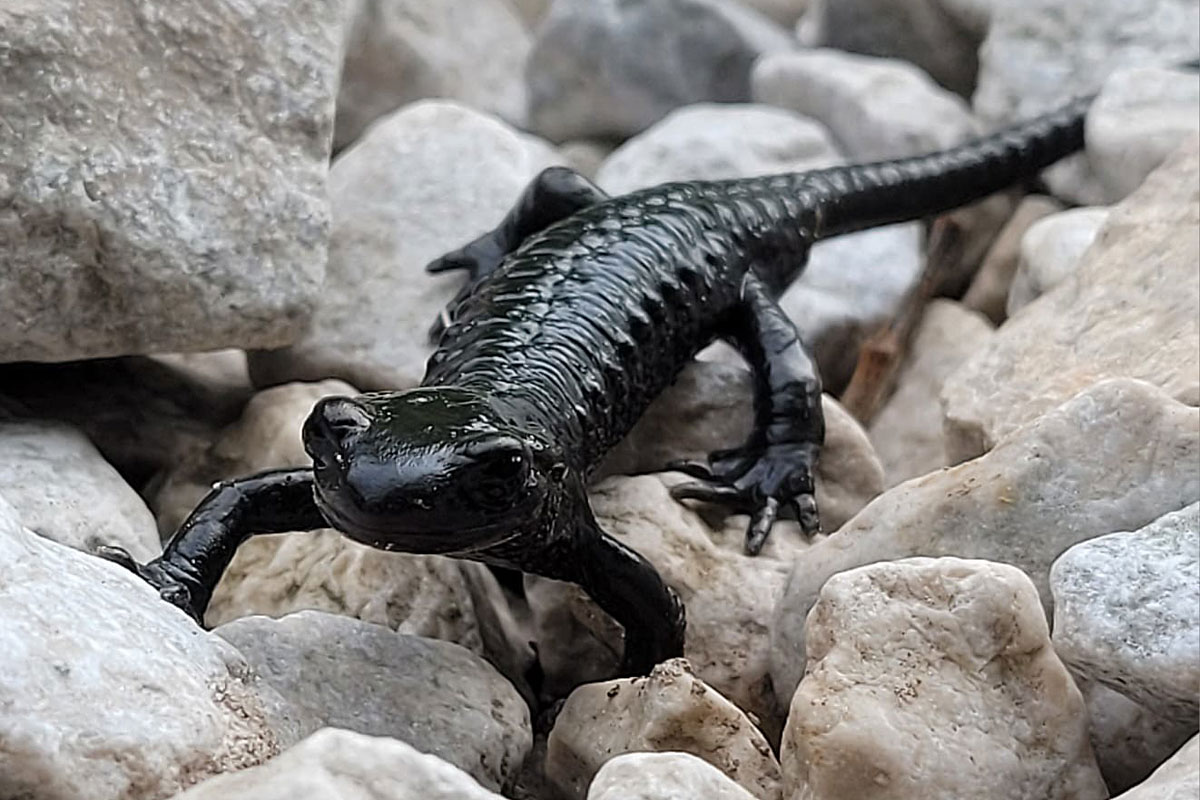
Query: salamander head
429 470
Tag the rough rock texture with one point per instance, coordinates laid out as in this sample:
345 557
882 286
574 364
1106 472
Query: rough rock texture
1129 740
940 36
714 141
399 51
1039 53
1127 612
612 68
63 489
875 108
1131 309
436 696
988 293
1140 117
173 201
1177 779
710 407
935 678
1051 250
671 710
335 764
421 182
663 776
907 432
1038 492
321 570
106 691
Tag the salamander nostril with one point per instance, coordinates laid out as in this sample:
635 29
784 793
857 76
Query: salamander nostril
334 420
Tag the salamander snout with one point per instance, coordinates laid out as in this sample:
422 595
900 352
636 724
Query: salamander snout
332 426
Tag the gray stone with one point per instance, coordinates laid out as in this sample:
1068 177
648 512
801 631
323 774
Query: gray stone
1113 458
107 692
907 432
423 181
1040 53
1130 309
715 141
1177 779
1127 612
63 489
935 678
334 764
400 51
436 696
170 201
988 293
612 68
1051 250
670 710
1139 118
875 108
663 776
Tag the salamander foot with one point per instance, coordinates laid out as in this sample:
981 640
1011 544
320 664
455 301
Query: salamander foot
174 585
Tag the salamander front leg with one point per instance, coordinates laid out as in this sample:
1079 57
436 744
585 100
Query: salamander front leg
197 555
776 466
555 194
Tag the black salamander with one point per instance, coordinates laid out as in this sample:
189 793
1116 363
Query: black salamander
581 308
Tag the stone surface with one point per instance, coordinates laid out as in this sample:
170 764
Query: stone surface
907 432
423 181
321 570
940 36
436 696
107 692
1177 779
1129 740
972 230
1115 457
714 141
400 51
173 201
988 293
1131 309
63 489
875 108
935 678
335 764
612 68
1127 612
670 710
1039 53
1051 250
1139 118
663 776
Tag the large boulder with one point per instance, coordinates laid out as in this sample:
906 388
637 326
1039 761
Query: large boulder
174 200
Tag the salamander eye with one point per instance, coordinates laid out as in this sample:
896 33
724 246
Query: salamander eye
502 463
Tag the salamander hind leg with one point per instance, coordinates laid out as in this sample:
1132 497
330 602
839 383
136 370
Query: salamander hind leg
555 194
776 466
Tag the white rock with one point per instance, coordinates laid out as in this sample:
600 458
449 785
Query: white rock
1139 118
400 51
436 696
1051 250
988 293
162 174
63 489
875 108
1130 309
1127 612
935 678
334 764
907 432
1040 53
663 776
1177 779
671 710
714 141
106 691
1115 457
421 182
612 68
